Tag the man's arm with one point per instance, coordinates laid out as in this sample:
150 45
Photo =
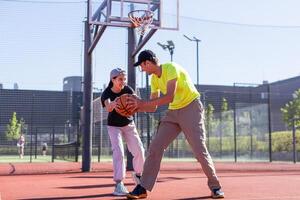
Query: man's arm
156 100
150 108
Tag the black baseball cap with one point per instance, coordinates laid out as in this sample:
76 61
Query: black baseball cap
145 55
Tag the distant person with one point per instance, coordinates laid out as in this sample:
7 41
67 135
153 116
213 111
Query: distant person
44 148
185 114
120 127
21 144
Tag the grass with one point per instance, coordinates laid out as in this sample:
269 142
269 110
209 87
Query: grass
45 159
108 158
17 159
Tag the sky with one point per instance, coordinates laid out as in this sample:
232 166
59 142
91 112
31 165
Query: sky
249 41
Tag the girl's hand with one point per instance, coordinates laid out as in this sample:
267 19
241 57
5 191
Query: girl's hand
112 104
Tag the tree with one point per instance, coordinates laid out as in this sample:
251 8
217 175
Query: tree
225 124
209 116
226 119
224 108
210 122
224 105
291 110
23 126
13 128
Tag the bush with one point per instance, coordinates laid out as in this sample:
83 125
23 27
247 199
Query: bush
283 141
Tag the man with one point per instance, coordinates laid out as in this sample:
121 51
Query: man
185 113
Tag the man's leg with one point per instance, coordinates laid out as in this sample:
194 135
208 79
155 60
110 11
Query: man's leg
192 124
166 133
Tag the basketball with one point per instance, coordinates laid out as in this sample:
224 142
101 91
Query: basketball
122 107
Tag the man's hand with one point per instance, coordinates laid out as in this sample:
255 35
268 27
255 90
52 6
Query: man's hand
134 102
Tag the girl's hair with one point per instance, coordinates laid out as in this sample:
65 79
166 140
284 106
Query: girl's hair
110 84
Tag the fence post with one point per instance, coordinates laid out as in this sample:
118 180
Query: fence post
234 124
294 142
31 132
53 153
101 132
269 122
35 143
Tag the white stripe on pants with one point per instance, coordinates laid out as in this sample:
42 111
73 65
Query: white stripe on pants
134 145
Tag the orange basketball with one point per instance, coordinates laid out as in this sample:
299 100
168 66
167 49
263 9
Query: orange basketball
122 107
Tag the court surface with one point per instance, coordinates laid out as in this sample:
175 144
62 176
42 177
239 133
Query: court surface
177 181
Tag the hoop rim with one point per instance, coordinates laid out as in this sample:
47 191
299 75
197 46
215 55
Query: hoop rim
141 22
146 11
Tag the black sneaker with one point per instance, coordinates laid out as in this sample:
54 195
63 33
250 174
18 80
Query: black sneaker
217 193
138 193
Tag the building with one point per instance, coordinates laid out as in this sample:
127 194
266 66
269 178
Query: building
72 83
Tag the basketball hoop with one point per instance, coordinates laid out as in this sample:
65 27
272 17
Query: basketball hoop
141 19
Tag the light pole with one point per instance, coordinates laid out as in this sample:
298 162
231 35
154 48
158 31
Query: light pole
169 46
197 55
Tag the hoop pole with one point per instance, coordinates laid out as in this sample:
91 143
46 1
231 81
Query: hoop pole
88 12
87 103
98 12
96 39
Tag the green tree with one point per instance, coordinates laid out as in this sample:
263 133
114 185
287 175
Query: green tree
23 125
210 122
292 110
226 119
224 109
225 125
224 105
13 128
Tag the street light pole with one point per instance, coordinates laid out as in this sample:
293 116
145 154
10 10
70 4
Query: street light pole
169 46
197 55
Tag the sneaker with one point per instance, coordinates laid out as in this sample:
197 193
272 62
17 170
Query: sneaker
138 193
217 193
136 178
120 190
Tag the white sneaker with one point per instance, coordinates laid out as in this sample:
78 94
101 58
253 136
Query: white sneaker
120 190
136 179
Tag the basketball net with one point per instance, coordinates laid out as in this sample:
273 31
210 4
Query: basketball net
141 19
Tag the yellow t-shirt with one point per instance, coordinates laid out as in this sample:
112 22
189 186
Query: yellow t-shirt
185 92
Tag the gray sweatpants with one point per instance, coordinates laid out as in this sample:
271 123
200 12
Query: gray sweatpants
189 120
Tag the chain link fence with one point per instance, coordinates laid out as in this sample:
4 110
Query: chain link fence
242 124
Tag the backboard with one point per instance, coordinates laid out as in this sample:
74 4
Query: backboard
115 12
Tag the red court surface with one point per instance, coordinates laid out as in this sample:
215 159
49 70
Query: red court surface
177 181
